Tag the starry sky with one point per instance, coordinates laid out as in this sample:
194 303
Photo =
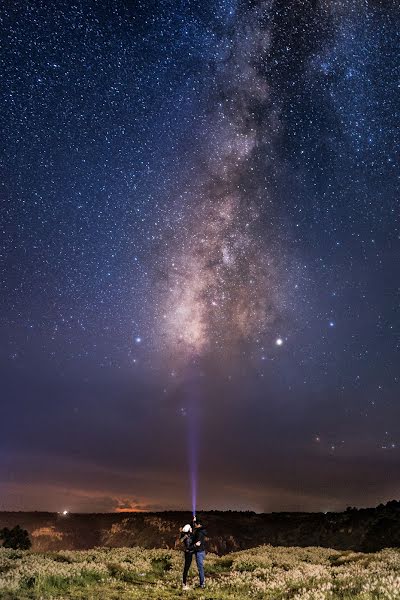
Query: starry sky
199 209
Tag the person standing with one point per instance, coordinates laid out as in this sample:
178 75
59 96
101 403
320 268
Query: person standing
199 545
186 538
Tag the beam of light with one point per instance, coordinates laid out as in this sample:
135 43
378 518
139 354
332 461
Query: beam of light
193 469
192 400
193 449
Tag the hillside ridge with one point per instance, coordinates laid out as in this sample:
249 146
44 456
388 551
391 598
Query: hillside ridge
364 530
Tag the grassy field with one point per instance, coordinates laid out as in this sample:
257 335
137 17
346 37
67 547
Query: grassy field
261 573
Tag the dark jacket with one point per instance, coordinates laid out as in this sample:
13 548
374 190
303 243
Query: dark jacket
200 535
186 540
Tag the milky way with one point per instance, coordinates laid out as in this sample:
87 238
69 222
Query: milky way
226 283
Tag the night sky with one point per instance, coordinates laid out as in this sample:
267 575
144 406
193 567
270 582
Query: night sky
199 213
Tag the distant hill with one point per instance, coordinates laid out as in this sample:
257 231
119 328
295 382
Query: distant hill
365 530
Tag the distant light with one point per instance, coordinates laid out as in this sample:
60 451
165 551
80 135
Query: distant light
279 342
65 512
331 324
138 339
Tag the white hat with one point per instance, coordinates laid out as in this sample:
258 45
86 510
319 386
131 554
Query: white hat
187 528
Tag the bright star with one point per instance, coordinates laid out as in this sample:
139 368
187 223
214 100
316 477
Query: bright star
279 342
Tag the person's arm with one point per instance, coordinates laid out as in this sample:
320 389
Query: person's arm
201 538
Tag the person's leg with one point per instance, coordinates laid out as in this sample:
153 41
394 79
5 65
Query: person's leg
188 562
200 565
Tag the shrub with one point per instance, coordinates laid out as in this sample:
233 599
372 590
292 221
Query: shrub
15 538
161 565
221 565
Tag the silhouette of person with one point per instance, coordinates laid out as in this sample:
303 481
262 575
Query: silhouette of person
199 545
186 539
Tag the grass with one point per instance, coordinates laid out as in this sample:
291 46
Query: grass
263 573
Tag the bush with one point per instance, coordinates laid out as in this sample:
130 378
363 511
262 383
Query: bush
222 565
160 565
16 538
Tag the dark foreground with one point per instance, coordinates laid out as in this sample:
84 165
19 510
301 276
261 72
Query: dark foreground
363 530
